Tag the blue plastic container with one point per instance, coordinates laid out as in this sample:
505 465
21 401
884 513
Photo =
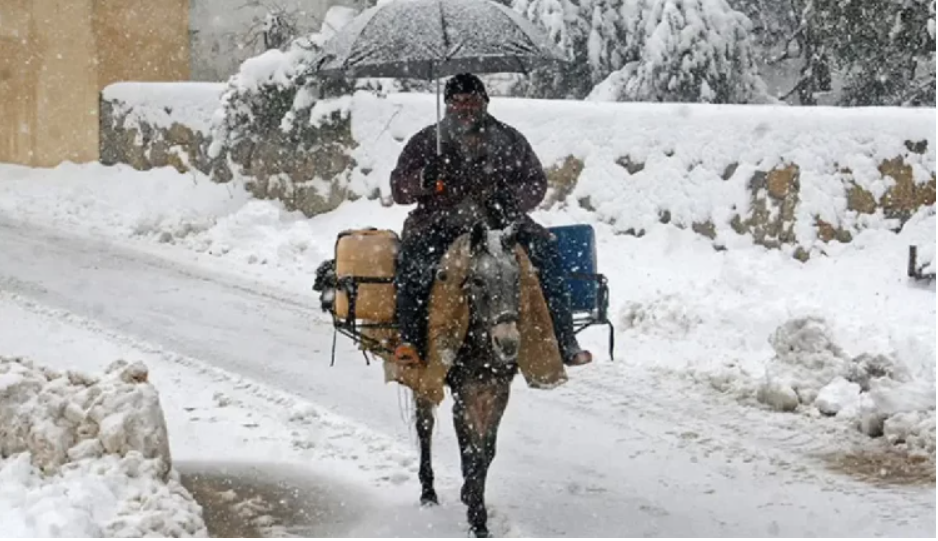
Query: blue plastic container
577 244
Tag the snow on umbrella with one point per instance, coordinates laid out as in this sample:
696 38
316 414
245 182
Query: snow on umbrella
429 39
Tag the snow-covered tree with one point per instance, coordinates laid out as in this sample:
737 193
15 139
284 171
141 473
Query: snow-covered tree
279 30
886 49
773 23
273 93
684 51
275 28
881 51
567 25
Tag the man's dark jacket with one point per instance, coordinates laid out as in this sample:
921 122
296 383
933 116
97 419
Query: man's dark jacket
511 174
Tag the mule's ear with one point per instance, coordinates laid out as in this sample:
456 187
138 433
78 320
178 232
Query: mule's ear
510 237
478 238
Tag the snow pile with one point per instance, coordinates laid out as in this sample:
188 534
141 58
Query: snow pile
876 391
810 369
266 237
160 105
846 336
83 456
120 201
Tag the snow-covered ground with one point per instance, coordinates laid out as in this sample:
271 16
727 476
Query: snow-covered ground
212 291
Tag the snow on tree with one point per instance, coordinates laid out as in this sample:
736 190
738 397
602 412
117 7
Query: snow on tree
279 30
567 24
880 51
684 51
809 44
275 29
274 92
773 22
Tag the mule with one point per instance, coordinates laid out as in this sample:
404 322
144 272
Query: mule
482 370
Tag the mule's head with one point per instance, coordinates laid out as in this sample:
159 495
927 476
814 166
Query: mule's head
492 286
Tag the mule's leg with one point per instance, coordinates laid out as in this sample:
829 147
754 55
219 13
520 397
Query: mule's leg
477 413
470 452
490 441
425 433
466 445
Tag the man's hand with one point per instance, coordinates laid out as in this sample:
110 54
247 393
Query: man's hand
501 205
435 174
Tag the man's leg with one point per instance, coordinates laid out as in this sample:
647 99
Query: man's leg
544 255
417 261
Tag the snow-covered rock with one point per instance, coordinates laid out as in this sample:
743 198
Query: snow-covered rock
84 456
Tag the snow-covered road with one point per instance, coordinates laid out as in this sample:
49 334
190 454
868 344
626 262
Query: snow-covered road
613 453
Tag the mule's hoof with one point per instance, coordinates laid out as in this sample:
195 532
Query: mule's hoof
481 532
429 499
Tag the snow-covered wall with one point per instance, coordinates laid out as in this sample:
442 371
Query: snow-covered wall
86 456
781 176
159 124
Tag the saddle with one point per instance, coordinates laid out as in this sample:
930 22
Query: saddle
368 258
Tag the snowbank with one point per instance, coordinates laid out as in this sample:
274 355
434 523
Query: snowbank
120 201
83 456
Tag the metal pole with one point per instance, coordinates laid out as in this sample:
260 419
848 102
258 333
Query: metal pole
438 144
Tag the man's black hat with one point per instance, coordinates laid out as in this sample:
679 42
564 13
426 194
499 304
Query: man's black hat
464 83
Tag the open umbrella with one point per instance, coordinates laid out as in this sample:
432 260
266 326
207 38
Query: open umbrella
430 39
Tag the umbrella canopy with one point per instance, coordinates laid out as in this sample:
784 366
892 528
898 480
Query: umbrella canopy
429 39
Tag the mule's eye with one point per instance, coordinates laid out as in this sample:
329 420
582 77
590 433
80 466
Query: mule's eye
478 282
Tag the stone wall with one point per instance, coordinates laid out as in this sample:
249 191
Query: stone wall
145 145
773 198
172 128
149 125
306 175
786 178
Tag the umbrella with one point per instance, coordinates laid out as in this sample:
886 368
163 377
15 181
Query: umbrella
429 39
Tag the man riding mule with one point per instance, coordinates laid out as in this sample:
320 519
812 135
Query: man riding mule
484 166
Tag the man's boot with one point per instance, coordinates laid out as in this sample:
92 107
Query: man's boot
406 354
576 356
